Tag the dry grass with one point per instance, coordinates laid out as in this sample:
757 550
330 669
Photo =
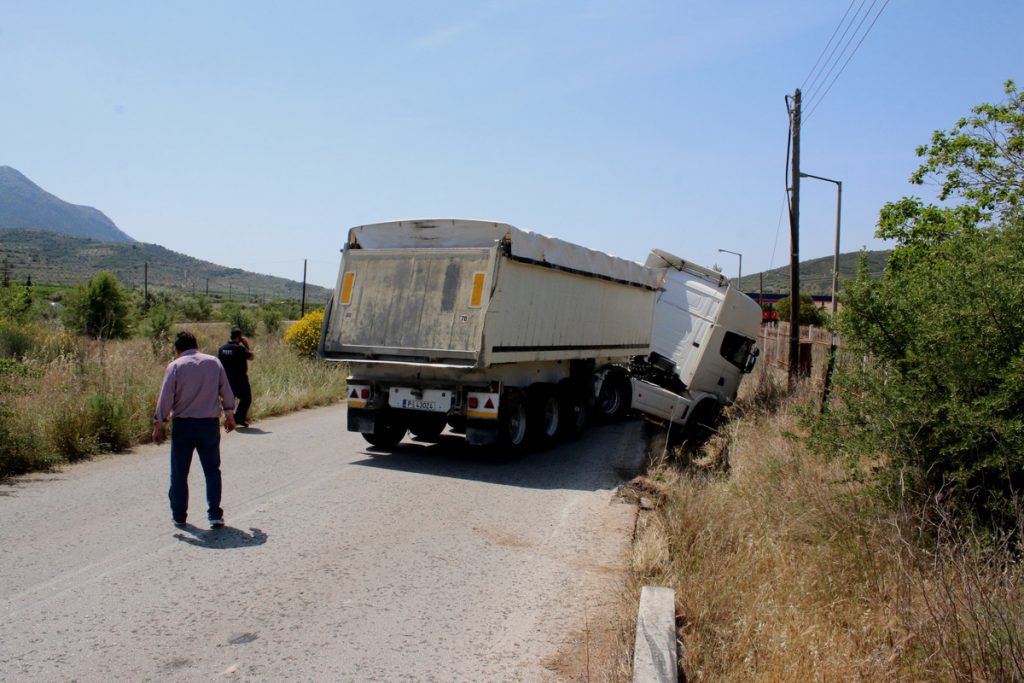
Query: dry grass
81 397
786 570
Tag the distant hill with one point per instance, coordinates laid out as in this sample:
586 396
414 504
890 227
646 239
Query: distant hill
23 204
52 258
816 274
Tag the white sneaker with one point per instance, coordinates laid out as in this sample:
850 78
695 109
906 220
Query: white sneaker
216 523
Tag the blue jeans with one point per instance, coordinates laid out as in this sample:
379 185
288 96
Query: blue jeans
201 435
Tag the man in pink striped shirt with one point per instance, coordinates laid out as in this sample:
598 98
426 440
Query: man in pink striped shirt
194 393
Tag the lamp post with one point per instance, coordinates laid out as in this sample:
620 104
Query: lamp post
736 253
839 211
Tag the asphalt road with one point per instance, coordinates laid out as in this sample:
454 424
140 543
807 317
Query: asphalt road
337 562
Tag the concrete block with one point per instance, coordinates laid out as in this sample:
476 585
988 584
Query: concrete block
655 656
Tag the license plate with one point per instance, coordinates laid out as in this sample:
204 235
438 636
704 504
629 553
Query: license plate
430 400
419 405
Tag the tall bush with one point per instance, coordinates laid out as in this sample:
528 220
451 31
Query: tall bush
304 336
99 309
935 401
240 318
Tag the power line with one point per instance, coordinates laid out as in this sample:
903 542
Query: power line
829 59
865 35
838 26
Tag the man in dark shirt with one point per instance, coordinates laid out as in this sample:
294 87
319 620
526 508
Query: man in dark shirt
235 356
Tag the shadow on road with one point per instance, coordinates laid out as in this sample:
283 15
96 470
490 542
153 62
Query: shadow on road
254 431
605 457
224 538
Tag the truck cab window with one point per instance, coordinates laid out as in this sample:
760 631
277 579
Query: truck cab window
736 349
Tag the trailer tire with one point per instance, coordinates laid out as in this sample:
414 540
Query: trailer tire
513 428
545 414
387 432
615 396
575 411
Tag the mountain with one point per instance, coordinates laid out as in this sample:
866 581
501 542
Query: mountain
816 274
56 259
23 204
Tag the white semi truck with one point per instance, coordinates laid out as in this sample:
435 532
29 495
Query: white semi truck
515 339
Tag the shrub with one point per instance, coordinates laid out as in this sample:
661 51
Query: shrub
159 324
16 303
18 452
195 308
810 314
304 335
110 422
72 434
240 318
16 340
99 309
943 397
936 407
271 320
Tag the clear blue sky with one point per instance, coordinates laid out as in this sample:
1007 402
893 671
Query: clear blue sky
254 134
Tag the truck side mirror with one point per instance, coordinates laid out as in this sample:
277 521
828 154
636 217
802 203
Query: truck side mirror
751 361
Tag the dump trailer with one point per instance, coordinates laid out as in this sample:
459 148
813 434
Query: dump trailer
507 336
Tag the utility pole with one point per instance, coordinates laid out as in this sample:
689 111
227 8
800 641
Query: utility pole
794 246
145 288
835 259
302 314
207 286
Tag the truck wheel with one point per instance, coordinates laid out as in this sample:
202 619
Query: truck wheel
704 421
574 411
428 427
615 396
387 432
545 414
513 427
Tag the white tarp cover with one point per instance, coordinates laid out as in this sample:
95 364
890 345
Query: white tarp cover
456 233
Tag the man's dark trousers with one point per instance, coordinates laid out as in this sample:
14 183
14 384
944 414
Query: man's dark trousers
243 397
201 435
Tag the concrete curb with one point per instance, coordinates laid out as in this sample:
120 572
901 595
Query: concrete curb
655 657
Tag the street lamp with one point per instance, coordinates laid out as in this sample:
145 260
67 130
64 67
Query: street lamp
736 253
839 210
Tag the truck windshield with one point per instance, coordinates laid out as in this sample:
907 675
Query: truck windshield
736 349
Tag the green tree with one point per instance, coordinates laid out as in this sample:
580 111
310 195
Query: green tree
810 314
99 309
16 303
938 408
979 164
980 160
